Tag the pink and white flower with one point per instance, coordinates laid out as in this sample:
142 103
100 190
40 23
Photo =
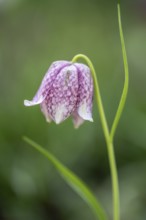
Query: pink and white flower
66 89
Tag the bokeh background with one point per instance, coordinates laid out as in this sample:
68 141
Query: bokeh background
33 34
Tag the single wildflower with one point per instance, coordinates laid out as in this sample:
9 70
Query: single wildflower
66 89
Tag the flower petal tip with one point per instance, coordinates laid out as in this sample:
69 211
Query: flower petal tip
36 100
28 103
84 113
90 119
60 112
48 120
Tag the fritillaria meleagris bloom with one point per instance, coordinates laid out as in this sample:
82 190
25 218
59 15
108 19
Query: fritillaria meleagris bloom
66 89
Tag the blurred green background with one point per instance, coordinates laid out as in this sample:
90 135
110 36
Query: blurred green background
33 34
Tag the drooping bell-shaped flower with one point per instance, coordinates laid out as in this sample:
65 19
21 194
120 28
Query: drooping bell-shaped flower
66 89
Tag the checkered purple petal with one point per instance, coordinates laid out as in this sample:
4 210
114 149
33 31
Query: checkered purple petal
47 82
85 92
66 89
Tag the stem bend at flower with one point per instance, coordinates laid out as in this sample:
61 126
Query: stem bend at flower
97 91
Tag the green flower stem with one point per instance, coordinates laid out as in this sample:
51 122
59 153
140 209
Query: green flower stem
109 135
97 92
110 147
126 83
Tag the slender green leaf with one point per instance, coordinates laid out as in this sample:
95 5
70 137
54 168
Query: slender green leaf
73 181
126 82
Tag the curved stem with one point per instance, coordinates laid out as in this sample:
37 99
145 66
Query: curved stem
109 143
125 89
97 91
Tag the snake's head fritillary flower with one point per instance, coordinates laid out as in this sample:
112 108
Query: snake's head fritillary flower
66 89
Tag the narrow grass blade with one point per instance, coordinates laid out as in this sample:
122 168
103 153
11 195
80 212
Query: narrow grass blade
126 82
72 180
